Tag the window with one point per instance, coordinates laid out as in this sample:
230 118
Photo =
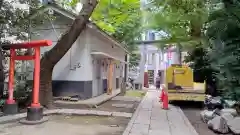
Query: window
160 58
151 36
150 59
153 58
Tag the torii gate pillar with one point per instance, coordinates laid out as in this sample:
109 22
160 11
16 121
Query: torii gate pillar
35 111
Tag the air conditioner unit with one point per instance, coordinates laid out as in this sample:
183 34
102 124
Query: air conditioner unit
50 12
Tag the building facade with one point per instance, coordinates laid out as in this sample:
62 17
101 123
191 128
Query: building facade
93 65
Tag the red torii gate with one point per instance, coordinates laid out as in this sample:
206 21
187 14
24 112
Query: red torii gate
35 111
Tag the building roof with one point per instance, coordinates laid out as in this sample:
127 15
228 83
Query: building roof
72 16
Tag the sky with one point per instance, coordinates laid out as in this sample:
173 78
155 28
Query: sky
79 7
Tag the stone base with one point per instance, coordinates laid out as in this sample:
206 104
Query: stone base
27 122
34 116
34 113
10 109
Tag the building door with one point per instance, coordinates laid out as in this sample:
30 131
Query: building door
114 77
99 77
97 80
151 76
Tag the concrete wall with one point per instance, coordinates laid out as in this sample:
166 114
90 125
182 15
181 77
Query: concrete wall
72 74
101 44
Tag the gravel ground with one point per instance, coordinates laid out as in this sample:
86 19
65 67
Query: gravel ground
192 111
76 125
107 106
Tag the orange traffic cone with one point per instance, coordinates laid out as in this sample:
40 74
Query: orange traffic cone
165 102
162 95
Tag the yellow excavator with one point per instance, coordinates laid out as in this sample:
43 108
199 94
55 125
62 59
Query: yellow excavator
180 85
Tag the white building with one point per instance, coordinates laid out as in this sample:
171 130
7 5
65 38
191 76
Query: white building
153 59
83 71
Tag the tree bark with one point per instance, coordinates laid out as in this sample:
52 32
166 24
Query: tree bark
179 46
51 58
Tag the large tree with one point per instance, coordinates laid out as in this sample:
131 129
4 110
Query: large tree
13 27
53 56
223 36
182 20
121 19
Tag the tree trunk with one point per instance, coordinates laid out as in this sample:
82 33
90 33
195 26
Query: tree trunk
179 46
51 58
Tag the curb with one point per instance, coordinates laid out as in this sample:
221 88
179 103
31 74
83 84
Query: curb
103 101
86 103
14 118
131 122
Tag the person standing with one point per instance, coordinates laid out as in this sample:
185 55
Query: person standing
158 82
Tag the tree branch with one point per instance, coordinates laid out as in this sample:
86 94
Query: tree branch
68 39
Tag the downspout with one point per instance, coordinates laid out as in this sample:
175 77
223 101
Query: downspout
125 68
124 81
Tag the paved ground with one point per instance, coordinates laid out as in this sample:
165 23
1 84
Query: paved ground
69 125
150 119
118 112
125 98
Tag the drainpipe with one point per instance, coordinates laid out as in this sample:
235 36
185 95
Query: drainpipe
110 77
125 68
123 84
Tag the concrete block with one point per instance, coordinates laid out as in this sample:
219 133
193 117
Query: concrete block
103 113
122 114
